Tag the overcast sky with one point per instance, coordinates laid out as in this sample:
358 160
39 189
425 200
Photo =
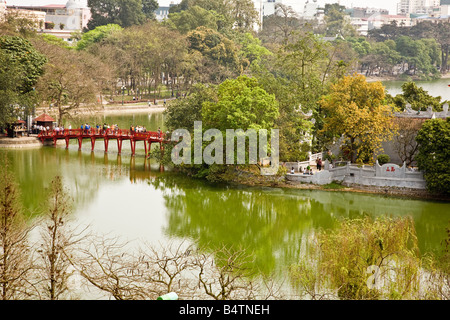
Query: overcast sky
391 5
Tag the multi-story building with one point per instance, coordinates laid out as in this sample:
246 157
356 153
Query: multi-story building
445 7
417 6
37 18
377 20
357 12
361 25
59 20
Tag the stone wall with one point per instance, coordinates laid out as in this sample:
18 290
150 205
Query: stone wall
387 175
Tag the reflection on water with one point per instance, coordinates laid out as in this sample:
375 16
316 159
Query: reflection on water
133 198
130 197
434 87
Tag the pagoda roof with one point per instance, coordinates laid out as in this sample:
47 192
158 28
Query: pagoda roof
44 118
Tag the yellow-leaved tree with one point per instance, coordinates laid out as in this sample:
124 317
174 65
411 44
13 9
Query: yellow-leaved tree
354 110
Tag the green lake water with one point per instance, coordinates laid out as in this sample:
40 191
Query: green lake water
130 197
435 87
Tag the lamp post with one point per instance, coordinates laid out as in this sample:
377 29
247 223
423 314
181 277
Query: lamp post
123 93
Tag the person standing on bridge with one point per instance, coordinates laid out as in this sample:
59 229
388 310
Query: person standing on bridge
159 132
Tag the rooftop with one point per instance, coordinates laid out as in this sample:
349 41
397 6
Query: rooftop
44 118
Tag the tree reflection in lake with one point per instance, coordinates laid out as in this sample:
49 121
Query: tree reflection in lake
131 197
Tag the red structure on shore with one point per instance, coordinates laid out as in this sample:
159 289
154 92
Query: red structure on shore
148 137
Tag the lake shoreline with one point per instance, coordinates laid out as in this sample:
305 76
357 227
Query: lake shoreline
392 78
246 178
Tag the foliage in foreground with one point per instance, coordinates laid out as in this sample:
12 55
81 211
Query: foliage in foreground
370 259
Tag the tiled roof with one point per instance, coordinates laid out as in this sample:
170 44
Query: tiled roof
44 118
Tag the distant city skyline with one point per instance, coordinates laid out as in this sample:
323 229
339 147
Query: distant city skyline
390 5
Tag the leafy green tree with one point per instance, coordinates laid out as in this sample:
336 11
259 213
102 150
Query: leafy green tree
241 104
216 48
122 12
96 35
417 97
21 65
149 7
181 113
337 21
434 152
251 48
194 17
418 55
244 15
29 60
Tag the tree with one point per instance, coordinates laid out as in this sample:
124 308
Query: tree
67 83
224 274
26 57
241 104
149 7
363 259
20 67
122 12
337 22
279 26
220 53
187 20
417 97
15 256
354 110
251 49
432 159
181 113
96 35
405 143
56 245
244 14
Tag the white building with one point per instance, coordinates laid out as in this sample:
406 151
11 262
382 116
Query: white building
377 20
417 6
74 15
310 10
361 25
162 13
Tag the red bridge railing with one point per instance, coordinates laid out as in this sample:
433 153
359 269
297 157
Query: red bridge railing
94 133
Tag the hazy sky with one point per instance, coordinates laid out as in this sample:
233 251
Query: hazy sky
391 5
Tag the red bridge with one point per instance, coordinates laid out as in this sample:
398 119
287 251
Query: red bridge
148 137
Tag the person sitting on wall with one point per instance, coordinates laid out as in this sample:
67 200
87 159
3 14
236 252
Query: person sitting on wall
292 170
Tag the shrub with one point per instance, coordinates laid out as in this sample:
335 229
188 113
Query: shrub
364 259
383 158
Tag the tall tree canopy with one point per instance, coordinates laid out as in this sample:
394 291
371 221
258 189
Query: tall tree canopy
122 12
434 152
241 104
21 65
354 110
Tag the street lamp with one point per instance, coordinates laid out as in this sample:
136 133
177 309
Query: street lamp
123 93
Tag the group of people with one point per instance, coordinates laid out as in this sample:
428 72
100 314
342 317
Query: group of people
309 170
40 128
98 129
137 128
